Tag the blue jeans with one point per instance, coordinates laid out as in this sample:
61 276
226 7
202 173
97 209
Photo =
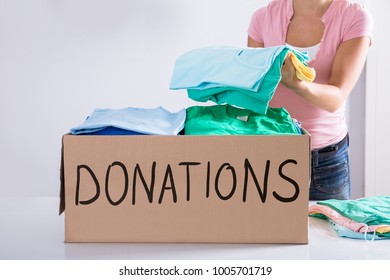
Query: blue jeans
330 174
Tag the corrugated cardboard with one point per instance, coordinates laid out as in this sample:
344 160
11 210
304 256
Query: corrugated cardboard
213 189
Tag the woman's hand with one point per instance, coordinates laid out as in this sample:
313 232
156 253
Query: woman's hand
289 76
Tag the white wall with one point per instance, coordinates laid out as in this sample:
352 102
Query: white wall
356 120
377 150
61 59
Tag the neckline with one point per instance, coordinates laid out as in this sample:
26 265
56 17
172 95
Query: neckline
329 13
305 48
312 51
325 17
233 113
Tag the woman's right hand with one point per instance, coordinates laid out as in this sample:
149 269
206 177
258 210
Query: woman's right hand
289 76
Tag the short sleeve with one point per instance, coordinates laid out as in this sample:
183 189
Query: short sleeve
256 22
360 23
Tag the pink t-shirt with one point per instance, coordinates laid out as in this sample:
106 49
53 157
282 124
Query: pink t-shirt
343 21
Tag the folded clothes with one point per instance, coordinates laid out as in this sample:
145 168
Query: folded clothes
348 233
373 210
365 218
303 72
110 130
245 77
325 212
157 121
230 120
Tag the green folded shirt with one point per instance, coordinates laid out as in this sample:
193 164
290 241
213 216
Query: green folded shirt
231 120
256 101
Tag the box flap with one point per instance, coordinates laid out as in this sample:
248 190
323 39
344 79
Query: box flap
62 181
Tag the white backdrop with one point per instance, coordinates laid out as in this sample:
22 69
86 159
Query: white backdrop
378 100
61 59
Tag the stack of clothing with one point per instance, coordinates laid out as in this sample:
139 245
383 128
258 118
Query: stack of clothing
132 121
195 120
230 120
244 77
241 81
365 218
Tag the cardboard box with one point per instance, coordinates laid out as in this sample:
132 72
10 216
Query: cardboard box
209 189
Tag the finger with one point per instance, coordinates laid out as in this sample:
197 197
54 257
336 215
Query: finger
287 58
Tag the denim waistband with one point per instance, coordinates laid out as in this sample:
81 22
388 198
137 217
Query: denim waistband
334 147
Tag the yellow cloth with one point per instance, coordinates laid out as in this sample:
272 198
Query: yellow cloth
383 229
303 72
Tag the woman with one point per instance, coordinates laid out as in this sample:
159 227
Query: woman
336 34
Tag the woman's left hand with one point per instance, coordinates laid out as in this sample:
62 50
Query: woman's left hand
289 76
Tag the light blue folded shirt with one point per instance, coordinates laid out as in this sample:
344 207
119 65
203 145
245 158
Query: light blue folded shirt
210 67
246 77
157 121
348 233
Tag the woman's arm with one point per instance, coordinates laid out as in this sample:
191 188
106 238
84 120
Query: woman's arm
347 66
254 44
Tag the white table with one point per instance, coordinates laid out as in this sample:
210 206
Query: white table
31 229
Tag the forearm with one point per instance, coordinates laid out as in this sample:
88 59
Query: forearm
326 97
347 66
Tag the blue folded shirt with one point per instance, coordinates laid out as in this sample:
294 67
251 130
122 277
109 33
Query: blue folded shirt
245 77
157 121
